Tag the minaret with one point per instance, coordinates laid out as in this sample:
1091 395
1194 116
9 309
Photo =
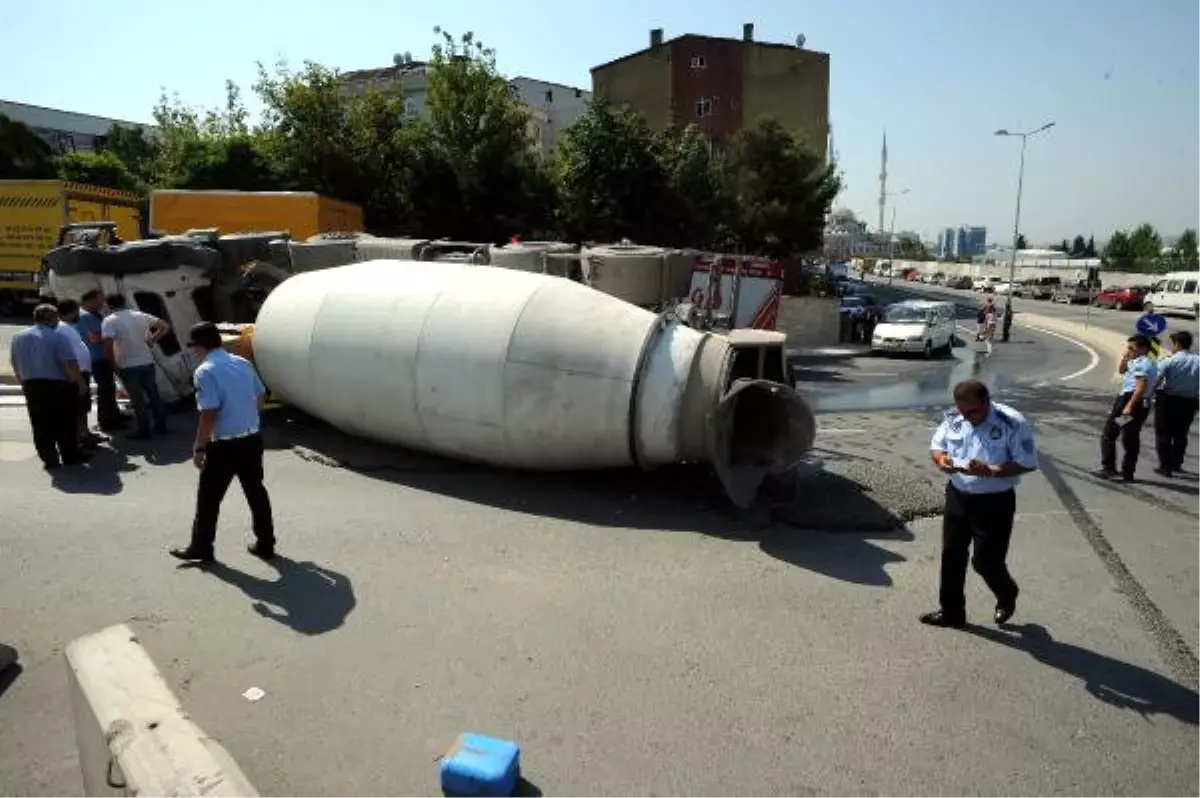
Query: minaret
882 181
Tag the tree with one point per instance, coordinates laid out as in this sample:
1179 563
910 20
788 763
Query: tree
97 169
23 154
698 191
1021 242
1118 251
782 189
612 179
1062 247
1185 248
134 149
1145 243
1090 250
481 132
1078 247
910 247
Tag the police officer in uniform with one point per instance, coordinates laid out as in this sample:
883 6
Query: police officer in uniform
984 447
1176 402
1129 410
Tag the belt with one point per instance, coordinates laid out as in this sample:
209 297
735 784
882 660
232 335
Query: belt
233 436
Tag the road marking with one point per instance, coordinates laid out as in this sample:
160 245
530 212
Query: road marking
822 431
1095 357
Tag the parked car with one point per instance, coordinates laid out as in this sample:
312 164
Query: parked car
1043 287
1129 297
1075 293
1177 292
986 285
962 283
1005 288
867 302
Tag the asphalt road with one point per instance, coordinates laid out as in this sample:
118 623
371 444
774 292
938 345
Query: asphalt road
632 633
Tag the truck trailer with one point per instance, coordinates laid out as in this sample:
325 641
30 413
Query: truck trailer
301 213
32 214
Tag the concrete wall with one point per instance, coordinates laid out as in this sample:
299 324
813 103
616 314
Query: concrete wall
640 82
1067 274
791 85
810 320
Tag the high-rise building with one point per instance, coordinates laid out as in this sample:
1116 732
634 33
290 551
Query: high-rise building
964 241
722 84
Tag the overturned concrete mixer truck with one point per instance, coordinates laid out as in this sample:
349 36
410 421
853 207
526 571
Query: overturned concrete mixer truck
421 344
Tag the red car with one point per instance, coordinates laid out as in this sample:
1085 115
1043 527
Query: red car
1123 298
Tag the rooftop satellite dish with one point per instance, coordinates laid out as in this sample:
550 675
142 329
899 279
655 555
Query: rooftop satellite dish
800 40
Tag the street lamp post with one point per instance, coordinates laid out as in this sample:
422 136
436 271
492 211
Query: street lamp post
892 234
1012 264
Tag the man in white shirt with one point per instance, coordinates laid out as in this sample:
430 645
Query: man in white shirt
127 336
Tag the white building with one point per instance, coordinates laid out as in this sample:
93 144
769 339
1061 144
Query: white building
847 237
66 131
552 107
562 105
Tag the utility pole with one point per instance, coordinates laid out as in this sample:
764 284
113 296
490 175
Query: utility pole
1012 264
882 181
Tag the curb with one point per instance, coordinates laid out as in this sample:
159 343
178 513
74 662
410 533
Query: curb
1109 344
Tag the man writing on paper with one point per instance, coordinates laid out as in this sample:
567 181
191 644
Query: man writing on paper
984 447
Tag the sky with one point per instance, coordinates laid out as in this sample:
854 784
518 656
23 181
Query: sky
1120 79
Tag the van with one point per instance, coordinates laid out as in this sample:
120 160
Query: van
915 326
1176 292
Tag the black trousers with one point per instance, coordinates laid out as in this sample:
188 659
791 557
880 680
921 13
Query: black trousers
241 458
51 405
1130 435
1173 417
985 520
107 409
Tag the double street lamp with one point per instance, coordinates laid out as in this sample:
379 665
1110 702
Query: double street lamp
1012 264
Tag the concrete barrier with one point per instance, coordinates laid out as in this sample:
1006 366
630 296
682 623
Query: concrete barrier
810 320
134 738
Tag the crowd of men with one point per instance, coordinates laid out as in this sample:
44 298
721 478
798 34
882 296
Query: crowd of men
73 343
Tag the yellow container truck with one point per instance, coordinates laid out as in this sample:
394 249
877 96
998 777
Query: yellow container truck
300 213
32 212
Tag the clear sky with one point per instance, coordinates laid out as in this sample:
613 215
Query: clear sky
1120 79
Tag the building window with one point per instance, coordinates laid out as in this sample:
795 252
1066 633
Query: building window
549 95
704 106
699 62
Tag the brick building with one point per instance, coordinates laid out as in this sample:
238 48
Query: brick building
722 84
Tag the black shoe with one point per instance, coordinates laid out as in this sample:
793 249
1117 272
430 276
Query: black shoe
941 618
113 426
261 552
52 466
192 555
1105 473
138 436
84 457
1127 478
1005 609
1164 472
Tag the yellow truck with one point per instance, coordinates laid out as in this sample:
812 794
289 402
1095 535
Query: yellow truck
32 212
300 213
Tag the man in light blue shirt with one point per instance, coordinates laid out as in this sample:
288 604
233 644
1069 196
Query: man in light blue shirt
1129 410
46 365
229 395
984 447
1176 403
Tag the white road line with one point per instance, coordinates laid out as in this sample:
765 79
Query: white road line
1095 357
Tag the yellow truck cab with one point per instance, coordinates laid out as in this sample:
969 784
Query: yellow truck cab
32 212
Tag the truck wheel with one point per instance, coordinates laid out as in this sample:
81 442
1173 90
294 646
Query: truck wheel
10 305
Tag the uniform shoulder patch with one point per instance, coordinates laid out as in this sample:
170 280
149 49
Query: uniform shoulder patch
996 434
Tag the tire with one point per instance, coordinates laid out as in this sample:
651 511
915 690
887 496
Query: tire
10 305
927 353
1118 306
